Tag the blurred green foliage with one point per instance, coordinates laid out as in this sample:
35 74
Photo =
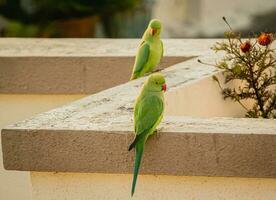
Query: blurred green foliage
51 18
14 29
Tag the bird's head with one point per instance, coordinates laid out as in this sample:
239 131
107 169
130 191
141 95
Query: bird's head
156 82
154 27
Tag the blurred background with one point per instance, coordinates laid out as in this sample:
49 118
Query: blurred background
128 18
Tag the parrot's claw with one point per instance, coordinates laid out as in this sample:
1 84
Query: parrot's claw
159 69
157 133
147 74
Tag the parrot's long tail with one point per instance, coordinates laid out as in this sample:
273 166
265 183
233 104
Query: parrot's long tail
139 153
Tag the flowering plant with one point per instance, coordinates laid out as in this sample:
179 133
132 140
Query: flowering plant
251 61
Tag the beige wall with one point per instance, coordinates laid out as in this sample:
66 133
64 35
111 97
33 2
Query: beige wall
16 185
203 99
81 186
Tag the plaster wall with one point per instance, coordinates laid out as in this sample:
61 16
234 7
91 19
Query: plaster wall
16 185
203 99
82 186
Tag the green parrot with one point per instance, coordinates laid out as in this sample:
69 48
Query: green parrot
148 113
150 50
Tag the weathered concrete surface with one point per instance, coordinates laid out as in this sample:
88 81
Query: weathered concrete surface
212 147
18 47
67 75
76 66
92 135
104 110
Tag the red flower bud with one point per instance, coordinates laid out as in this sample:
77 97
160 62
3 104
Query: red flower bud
265 39
245 47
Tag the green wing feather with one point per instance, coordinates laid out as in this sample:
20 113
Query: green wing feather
141 59
147 113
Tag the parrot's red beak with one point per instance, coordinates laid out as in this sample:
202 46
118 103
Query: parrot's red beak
153 31
164 87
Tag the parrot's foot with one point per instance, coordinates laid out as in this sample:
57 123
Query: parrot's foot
157 133
158 69
148 73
